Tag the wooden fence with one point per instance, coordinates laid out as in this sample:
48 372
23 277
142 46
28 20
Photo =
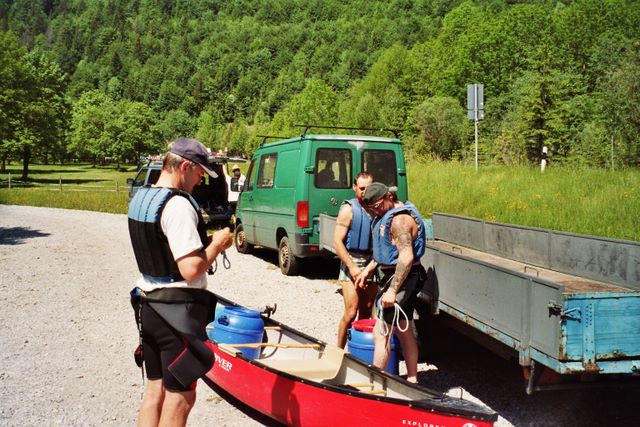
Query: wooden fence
11 183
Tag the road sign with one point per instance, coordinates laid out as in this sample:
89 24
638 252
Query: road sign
475 101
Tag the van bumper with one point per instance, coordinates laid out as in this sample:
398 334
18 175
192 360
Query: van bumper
304 249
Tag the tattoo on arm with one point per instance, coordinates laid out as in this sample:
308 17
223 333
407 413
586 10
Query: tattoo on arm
404 244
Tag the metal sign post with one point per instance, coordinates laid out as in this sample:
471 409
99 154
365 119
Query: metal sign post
475 111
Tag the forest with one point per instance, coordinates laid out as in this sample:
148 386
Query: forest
116 79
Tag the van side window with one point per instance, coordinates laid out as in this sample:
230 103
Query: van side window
154 174
251 177
138 181
333 168
381 164
267 170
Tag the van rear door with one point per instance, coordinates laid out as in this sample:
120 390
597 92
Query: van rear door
331 182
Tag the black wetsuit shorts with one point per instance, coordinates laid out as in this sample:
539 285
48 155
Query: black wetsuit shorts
407 296
161 346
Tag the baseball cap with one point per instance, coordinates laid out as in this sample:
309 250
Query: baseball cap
235 167
376 191
192 149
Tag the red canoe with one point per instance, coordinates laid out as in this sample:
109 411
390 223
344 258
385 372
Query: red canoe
300 381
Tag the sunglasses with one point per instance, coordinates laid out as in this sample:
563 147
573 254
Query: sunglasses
377 204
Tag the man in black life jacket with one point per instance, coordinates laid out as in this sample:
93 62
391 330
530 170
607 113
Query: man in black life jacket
352 242
172 306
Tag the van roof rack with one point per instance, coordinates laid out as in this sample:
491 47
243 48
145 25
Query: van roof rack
266 137
395 132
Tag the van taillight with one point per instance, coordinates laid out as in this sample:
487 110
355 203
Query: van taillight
302 214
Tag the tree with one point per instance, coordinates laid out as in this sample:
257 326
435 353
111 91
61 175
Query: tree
131 132
316 104
13 89
442 127
40 111
385 95
621 92
90 116
175 124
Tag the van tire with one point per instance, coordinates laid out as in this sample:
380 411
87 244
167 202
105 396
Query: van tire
288 262
240 239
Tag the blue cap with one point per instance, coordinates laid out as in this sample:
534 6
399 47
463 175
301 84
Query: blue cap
192 149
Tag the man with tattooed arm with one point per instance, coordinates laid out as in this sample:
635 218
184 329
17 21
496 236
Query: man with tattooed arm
398 235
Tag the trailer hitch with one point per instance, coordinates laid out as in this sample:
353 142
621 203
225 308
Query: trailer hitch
555 309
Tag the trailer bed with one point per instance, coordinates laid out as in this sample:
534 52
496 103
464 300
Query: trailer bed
571 283
567 302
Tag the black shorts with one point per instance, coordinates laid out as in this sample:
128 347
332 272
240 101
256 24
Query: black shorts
161 346
407 296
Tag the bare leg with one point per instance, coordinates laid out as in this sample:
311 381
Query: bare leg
381 351
150 409
409 350
366 298
350 296
176 408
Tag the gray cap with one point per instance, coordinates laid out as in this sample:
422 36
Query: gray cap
375 192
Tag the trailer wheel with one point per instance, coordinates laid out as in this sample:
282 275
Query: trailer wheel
288 262
240 239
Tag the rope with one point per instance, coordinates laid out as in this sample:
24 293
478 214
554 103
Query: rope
225 263
395 322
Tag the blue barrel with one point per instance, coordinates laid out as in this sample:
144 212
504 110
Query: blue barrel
212 325
360 344
239 325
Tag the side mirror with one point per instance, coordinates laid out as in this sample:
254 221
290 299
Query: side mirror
129 181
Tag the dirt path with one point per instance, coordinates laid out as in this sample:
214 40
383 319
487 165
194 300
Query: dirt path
67 332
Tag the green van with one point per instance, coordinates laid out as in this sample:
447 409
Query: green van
291 182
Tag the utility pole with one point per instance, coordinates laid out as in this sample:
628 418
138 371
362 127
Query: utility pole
475 111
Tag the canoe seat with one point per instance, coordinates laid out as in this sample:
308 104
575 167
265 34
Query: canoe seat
324 368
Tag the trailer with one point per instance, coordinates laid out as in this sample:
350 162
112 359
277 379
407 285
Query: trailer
567 304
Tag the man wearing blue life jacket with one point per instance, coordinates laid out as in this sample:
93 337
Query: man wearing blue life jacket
171 304
352 242
398 236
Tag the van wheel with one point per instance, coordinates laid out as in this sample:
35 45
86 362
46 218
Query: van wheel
288 262
240 239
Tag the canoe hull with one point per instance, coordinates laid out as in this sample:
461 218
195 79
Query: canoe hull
299 402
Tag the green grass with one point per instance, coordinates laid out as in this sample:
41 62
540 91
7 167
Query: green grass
587 201
83 187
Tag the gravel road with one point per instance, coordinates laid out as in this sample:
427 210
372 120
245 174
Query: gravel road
68 333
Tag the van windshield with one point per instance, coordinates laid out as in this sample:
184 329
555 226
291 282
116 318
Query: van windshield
382 165
333 168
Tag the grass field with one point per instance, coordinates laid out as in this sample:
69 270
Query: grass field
588 201
76 186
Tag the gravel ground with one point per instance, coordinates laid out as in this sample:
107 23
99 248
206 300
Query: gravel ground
68 333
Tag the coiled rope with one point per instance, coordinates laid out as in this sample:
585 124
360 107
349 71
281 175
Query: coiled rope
395 322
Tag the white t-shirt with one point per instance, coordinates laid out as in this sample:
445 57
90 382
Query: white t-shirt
233 195
179 223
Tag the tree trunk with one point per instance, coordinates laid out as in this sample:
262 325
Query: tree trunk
26 156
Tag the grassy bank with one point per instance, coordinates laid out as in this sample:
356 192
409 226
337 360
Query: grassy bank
76 186
588 201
